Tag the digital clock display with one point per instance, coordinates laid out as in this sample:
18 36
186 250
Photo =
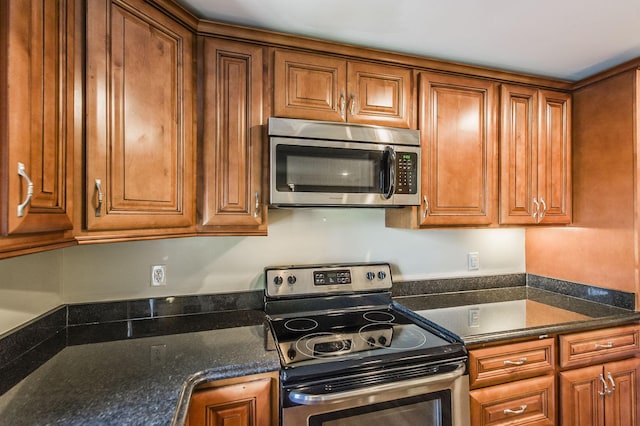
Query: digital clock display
338 276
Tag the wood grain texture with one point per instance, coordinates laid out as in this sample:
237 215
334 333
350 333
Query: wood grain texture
139 118
600 247
232 145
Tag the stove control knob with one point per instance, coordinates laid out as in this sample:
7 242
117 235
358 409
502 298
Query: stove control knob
291 279
382 340
370 276
382 275
371 341
291 353
277 280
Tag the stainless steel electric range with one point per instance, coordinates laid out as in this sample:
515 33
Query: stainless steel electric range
351 356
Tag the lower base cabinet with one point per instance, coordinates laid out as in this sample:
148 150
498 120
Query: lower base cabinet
601 395
524 402
242 401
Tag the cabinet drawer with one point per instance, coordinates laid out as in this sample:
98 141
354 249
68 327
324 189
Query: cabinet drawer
529 401
516 361
599 345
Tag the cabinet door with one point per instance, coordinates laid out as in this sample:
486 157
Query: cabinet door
580 400
622 406
232 148
518 155
379 94
36 118
459 161
309 86
139 118
241 404
554 157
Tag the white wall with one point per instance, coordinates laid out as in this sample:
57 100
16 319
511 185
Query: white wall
31 285
227 264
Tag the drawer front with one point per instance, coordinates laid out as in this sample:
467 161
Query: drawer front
600 345
529 401
510 362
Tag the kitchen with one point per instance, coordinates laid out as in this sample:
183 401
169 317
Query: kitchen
222 264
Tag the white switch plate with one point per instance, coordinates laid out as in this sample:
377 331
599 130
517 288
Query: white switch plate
158 275
474 261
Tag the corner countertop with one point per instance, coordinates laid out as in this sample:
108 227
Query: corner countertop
136 381
486 316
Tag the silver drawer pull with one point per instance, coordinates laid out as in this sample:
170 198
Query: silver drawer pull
613 384
518 362
608 345
605 387
521 410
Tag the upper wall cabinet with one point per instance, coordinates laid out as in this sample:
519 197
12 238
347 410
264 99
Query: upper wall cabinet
535 156
140 124
459 153
231 196
317 87
36 123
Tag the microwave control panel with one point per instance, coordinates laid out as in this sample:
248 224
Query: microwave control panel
406 173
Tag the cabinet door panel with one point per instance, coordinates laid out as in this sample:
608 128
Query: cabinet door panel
622 404
457 122
379 95
232 135
554 157
139 118
518 155
37 120
242 404
309 86
580 399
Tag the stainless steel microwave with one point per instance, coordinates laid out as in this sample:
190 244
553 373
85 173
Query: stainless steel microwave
318 163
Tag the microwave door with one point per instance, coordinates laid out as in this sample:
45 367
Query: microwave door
326 175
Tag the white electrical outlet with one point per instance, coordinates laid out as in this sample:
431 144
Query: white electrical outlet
158 275
473 259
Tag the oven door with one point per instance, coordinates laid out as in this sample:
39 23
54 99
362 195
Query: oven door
437 400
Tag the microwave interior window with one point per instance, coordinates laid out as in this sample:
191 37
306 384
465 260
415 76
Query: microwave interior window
313 169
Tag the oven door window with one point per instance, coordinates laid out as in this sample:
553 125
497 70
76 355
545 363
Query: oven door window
433 409
329 170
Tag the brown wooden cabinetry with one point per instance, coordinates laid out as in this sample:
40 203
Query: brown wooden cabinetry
601 395
140 163
513 383
36 124
245 401
231 196
535 156
604 390
457 120
319 87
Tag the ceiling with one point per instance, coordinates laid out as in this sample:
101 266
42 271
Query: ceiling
566 39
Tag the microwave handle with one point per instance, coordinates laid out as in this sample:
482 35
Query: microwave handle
390 156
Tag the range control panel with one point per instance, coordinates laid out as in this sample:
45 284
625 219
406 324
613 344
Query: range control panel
295 281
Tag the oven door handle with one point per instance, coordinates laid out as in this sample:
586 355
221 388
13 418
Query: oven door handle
312 399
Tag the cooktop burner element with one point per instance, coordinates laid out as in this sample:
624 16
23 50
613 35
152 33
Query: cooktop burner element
331 318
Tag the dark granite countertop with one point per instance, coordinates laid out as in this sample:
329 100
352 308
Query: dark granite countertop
141 381
491 315
137 372
137 362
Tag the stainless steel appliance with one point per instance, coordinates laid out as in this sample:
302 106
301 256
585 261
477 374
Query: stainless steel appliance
351 356
317 163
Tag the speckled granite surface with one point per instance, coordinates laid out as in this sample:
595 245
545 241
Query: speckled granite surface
145 381
137 362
